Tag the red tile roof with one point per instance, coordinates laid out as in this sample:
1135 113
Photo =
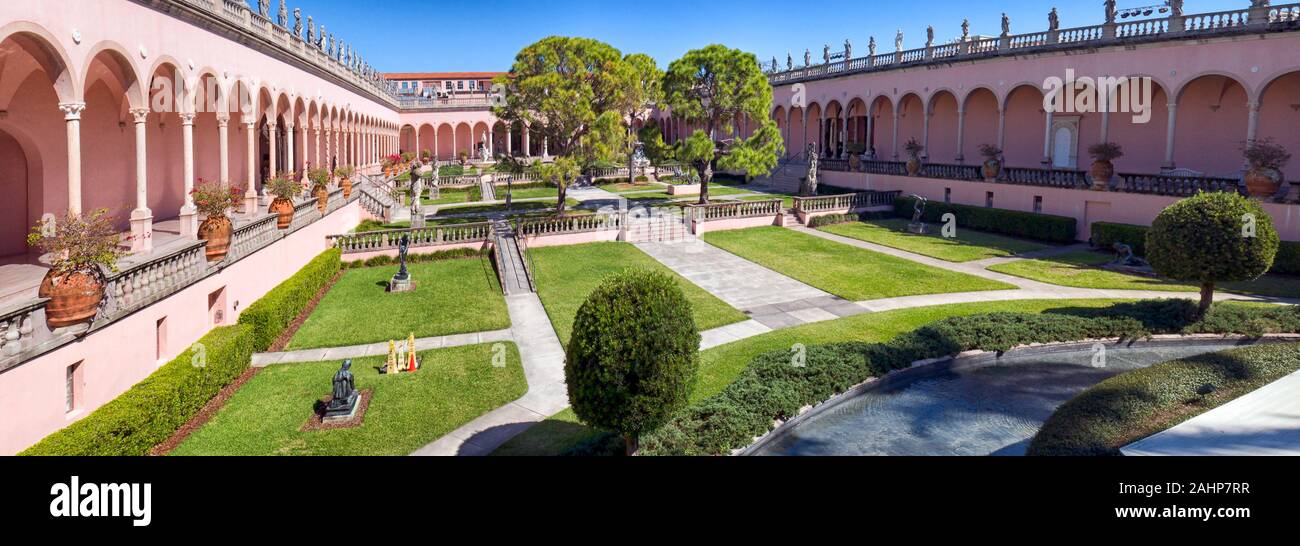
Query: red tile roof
399 76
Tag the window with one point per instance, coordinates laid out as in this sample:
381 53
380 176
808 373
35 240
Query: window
160 339
1038 204
448 86
460 85
217 307
472 85
988 199
73 382
947 195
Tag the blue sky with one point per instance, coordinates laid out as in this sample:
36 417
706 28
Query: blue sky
425 35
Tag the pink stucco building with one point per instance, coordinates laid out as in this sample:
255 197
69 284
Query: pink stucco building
126 104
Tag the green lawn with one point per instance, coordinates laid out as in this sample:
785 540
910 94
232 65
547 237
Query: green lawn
528 193
406 411
787 201
721 365
846 271
968 246
450 297
566 275
449 197
367 226
1082 270
624 187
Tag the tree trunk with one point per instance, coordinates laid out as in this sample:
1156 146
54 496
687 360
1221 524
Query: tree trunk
706 176
631 156
1207 297
632 444
563 193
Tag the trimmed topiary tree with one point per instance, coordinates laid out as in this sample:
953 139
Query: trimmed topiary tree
1212 238
632 359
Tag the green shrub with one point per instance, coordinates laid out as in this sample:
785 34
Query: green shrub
1043 227
633 356
153 410
414 258
642 178
269 316
1201 239
1106 234
772 387
451 170
1137 404
832 219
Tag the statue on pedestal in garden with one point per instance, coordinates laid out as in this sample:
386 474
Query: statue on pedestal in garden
809 187
918 213
343 404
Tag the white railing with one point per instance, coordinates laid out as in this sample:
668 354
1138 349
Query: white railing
146 283
527 227
252 237
737 209
845 202
390 239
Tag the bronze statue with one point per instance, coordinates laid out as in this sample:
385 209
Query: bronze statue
345 393
403 246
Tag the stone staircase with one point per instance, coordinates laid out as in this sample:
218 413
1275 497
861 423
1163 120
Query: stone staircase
657 225
785 178
511 260
489 189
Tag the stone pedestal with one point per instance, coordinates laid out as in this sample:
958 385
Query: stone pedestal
346 410
917 228
401 283
141 231
189 219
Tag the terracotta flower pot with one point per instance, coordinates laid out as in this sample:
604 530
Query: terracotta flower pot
1263 182
284 208
216 230
1102 172
347 188
913 167
74 299
322 197
992 168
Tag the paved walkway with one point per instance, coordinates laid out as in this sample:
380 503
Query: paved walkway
543 361
1265 422
262 360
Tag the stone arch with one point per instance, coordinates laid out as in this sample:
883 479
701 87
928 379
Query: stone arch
1279 114
1211 125
942 111
43 48
981 106
1025 125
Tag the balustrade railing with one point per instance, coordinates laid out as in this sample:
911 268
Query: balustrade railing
22 330
884 167
389 239
845 202
1044 177
252 237
131 289
951 172
528 227
1154 28
737 209
1176 186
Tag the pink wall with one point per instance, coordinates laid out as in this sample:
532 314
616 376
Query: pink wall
13 185
1083 205
35 389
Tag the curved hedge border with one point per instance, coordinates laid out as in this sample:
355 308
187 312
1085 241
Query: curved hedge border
772 388
1137 404
152 410
1028 225
1106 234
268 317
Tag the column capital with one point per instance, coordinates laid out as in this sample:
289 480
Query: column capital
72 110
187 118
141 115
223 120
288 126
271 124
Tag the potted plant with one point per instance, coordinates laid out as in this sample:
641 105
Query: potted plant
1266 161
462 157
1103 153
913 149
426 155
213 200
344 174
284 188
992 161
76 246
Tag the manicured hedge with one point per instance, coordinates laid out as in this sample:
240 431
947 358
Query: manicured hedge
1105 235
832 219
269 316
1043 227
148 413
772 388
1137 404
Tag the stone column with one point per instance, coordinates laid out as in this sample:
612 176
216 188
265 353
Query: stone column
961 136
316 154
1002 128
289 132
527 140
72 116
926 116
250 194
492 143
141 217
546 147
869 139
272 138
803 143
895 137
189 214
844 133
1105 124
1047 141
1170 130
223 147
787 134
510 145
1252 130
